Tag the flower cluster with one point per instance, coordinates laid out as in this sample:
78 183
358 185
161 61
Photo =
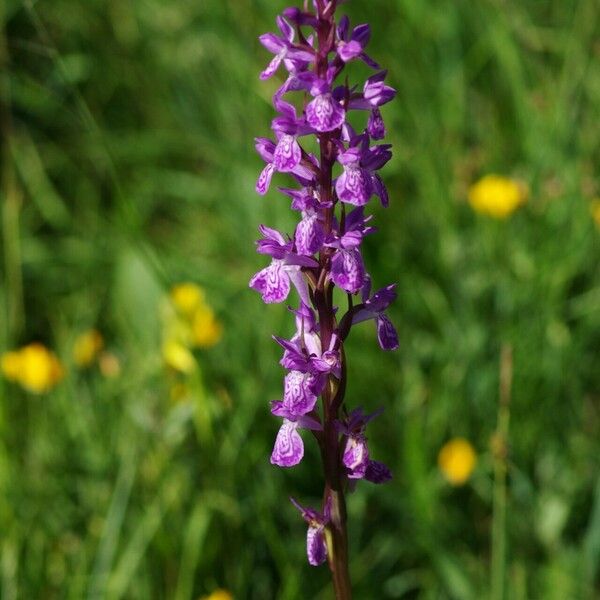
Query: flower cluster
331 197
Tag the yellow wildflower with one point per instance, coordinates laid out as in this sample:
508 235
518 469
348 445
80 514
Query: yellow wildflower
595 210
187 297
457 460
34 367
497 196
178 357
206 329
86 348
218 595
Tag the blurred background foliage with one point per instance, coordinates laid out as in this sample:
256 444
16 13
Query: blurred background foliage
134 461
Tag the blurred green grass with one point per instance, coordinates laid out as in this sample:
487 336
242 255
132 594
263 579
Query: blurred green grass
128 166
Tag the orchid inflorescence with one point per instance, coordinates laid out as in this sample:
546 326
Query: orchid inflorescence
324 252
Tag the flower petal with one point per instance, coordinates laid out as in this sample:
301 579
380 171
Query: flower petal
298 393
377 472
289 448
272 282
273 65
287 154
347 270
264 179
349 50
309 235
316 549
271 42
386 334
356 456
375 125
354 186
324 113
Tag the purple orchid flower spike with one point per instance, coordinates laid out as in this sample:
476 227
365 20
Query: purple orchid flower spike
316 543
324 252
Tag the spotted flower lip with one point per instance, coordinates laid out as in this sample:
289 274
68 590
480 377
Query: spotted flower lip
374 308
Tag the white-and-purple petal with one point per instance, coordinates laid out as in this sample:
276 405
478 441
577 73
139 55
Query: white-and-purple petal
356 456
309 235
354 185
324 113
287 155
316 548
298 396
272 282
289 448
273 65
264 179
347 270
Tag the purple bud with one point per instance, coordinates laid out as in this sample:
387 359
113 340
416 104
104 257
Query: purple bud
377 472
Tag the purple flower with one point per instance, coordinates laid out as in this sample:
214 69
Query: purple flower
310 358
348 270
376 126
309 236
356 453
316 545
355 184
356 456
377 472
299 395
374 308
324 251
351 45
274 282
287 154
375 93
283 48
288 449
324 113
